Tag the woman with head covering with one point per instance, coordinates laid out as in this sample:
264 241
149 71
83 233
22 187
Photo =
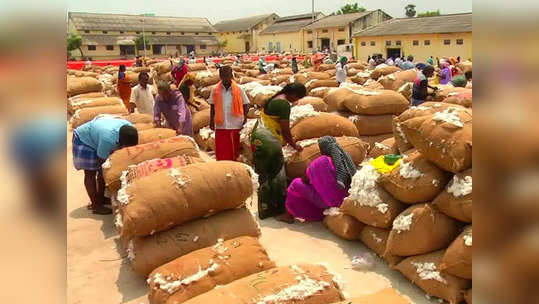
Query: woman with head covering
172 105
188 91
326 184
445 73
124 86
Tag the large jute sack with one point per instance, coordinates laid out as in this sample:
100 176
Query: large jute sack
85 115
357 65
320 92
396 80
298 78
140 69
78 104
372 124
421 229
456 199
316 75
382 71
406 90
444 138
201 271
282 71
331 72
444 91
315 83
376 239
119 160
154 134
201 119
148 167
206 78
462 98
265 77
360 77
323 124
468 296
136 118
247 79
172 197
325 67
297 162
80 85
252 73
261 94
278 79
143 126
465 66
335 99
415 180
318 103
203 104
373 139
384 296
375 102
87 96
192 67
295 284
343 225
387 146
423 270
205 91
149 252
162 67
457 258
205 139
247 66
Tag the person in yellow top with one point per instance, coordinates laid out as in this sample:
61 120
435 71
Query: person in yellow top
187 89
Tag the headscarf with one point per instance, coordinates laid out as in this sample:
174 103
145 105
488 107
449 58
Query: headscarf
344 165
343 60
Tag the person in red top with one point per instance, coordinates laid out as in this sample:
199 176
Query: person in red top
179 71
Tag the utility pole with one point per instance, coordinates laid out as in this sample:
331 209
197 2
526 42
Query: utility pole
143 36
312 17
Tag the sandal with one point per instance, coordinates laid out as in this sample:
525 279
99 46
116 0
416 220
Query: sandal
102 210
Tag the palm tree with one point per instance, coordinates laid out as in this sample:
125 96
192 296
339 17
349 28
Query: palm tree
221 44
74 42
410 10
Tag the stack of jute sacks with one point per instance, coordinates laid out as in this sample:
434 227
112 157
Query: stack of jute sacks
417 215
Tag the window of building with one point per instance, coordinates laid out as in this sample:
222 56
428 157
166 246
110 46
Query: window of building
310 44
341 29
363 43
447 41
183 33
168 33
309 32
340 41
137 32
427 42
153 33
460 41
91 47
87 31
388 42
373 43
415 42
121 32
324 31
110 47
398 42
196 33
202 46
104 32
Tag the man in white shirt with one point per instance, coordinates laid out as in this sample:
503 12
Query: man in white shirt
229 107
142 96
342 70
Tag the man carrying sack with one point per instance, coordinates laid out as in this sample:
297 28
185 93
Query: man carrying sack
228 107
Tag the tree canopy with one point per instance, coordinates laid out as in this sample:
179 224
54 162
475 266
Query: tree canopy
410 10
74 42
350 8
429 13
139 42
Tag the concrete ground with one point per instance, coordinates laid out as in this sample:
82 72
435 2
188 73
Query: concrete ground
98 270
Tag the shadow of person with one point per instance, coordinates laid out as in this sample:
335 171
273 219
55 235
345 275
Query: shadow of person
107 226
130 285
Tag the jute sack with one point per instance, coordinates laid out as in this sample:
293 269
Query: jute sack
172 197
143 126
205 139
74 105
318 103
297 163
465 66
351 72
205 92
468 296
321 125
423 270
252 73
360 77
382 71
85 115
317 75
444 138
260 95
372 124
247 66
335 99
356 65
203 104
387 146
201 119
81 85
148 167
325 67
421 229
119 160
298 78
406 90
402 142
320 92
206 78
154 134
385 296
372 206
396 80
136 118
192 67
444 91
331 72
150 252
296 284
87 96
375 102
373 139
456 199
343 225
264 76
247 79
457 259
315 83
162 67
278 79
140 69
415 180
201 271
463 98
376 239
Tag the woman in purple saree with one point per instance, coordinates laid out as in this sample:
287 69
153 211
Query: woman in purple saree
326 183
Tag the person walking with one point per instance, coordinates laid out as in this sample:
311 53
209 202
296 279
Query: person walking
142 95
124 86
342 70
445 73
294 65
173 107
430 61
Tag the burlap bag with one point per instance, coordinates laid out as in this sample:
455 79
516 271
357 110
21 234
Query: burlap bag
85 115
323 124
192 67
298 78
140 69
415 180
325 67
172 197
331 73
162 67
373 85
201 271
143 126
372 124
136 118
382 71
446 144
396 80
360 78
387 146
445 91
344 226
265 77
81 85
278 79
406 90
335 99
206 78
468 296
373 139
149 252
423 270
201 119
351 72
318 103
74 105
457 203
463 98
206 143
252 73
317 75
119 160
248 66
296 284
421 229
247 79
376 239
148 167
203 104
357 65
402 142
90 95
329 83
320 92
384 296
154 134
375 102
457 259
205 92
465 66
298 162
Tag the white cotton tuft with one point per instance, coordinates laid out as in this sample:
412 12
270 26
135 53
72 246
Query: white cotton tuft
403 222
407 170
450 116
460 186
300 112
428 271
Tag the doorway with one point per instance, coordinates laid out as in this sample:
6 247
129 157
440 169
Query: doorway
393 53
127 49
190 48
247 47
325 43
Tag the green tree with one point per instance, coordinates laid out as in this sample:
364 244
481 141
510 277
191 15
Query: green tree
410 10
429 14
221 44
140 40
350 8
74 42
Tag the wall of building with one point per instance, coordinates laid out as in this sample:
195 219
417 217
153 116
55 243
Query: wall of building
421 52
374 18
290 42
100 52
334 34
255 34
235 44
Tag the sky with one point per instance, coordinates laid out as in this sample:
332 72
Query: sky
230 9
